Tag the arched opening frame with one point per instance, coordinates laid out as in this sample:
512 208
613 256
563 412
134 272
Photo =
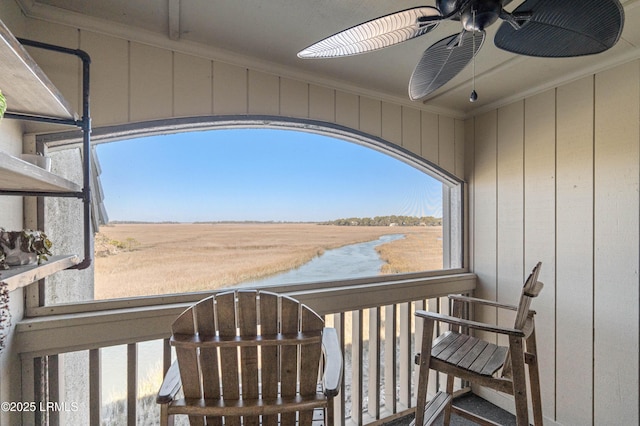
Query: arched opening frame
452 186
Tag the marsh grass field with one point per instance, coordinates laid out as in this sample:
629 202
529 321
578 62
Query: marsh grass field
148 259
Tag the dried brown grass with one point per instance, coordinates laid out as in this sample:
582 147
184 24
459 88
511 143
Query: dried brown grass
416 252
176 258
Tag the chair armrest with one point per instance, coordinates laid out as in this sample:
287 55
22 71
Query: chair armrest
170 385
467 299
471 324
332 376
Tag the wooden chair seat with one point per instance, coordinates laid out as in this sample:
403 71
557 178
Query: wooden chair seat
469 353
248 357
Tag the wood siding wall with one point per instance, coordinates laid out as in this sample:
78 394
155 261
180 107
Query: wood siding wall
133 82
555 178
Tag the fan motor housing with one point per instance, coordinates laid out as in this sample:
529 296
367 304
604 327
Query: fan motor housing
480 14
447 6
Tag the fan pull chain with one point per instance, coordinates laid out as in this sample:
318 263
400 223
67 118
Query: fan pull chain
474 95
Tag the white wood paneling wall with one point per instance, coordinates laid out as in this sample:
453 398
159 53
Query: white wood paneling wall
555 177
134 82
574 247
616 231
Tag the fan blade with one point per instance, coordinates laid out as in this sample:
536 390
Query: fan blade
443 61
567 28
376 34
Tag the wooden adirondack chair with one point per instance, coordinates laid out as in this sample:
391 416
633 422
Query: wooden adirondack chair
476 361
252 357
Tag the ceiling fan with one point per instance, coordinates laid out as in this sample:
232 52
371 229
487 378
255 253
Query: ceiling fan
543 28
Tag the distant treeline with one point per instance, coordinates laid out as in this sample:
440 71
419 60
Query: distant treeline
387 221
352 221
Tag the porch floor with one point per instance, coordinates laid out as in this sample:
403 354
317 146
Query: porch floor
469 402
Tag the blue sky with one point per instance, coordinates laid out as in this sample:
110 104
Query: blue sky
258 174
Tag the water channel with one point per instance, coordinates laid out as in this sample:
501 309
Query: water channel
351 261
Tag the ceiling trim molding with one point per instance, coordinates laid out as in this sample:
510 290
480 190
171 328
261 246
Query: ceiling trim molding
560 81
44 12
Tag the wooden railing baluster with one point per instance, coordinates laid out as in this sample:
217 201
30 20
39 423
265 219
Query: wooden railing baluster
95 388
339 403
132 383
166 356
373 384
390 359
405 356
433 305
356 367
53 377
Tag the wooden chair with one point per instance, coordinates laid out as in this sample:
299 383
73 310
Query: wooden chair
251 357
477 361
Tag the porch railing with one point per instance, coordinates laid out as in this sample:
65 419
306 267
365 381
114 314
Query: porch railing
66 350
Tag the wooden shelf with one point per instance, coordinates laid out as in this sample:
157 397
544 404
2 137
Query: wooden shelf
18 175
27 89
20 276
30 95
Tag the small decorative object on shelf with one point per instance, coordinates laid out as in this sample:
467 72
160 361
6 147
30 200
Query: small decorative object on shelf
23 247
3 105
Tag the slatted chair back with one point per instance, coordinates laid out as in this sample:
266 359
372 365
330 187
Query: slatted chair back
530 289
255 348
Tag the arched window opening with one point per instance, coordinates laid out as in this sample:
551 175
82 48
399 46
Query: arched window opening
204 210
